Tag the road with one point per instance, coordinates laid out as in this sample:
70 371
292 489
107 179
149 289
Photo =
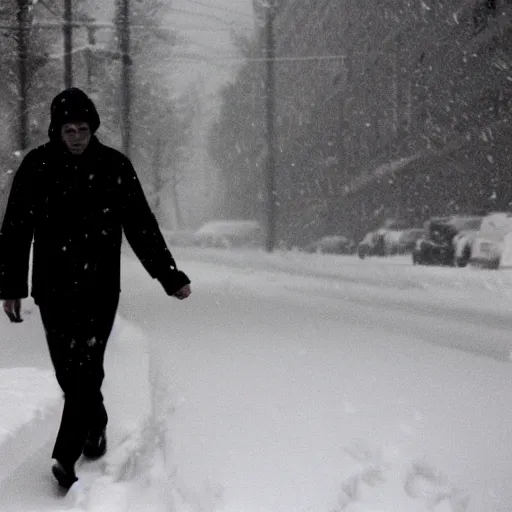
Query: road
272 381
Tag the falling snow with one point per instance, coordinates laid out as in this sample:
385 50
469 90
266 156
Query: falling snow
325 362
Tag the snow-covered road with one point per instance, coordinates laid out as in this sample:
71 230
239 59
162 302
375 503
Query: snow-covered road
286 387
287 383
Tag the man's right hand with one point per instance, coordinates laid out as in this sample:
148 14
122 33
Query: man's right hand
12 308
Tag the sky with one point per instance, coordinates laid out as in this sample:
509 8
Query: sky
204 28
205 45
203 60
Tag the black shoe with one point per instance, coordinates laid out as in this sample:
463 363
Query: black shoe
65 476
95 446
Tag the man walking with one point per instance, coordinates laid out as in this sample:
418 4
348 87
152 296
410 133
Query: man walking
73 197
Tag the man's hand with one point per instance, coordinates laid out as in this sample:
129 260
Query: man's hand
12 308
183 293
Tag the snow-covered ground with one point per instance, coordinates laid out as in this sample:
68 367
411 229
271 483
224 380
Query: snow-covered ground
294 391
395 272
30 407
287 382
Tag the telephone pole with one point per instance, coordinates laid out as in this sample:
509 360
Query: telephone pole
67 29
270 171
22 40
126 73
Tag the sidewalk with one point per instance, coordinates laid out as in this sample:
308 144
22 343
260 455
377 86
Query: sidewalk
30 409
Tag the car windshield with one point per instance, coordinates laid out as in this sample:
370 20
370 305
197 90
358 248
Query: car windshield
441 231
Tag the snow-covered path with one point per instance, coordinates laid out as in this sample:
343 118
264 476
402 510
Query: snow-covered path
284 389
30 486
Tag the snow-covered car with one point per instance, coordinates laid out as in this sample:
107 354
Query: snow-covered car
408 238
489 242
436 248
463 245
373 244
334 244
229 233
391 239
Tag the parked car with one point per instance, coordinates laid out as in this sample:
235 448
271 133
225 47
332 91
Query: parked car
391 238
489 242
408 239
229 233
373 244
436 248
335 244
463 245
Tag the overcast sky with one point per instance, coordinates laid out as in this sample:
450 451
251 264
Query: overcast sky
204 28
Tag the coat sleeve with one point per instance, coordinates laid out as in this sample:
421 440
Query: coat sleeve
144 236
17 232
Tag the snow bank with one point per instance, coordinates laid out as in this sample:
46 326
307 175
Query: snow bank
30 403
132 476
393 272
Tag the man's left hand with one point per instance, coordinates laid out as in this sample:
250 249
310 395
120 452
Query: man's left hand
183 293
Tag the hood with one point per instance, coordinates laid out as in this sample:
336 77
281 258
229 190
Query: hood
72 105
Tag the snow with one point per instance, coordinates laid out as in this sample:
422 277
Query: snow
29 405
287 382
472 289
264 362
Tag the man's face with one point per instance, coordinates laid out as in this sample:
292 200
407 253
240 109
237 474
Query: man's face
76 136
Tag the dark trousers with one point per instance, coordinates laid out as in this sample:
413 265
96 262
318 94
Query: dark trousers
77 332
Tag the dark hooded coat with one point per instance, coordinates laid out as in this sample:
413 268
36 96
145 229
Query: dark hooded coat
74 209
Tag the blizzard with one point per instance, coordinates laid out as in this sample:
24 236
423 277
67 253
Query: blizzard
287 382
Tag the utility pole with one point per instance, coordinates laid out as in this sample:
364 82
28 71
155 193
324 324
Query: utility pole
126 73
22 40
67 29
89 58
270 171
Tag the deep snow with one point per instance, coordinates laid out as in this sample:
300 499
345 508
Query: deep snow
30 408
287 382
276 375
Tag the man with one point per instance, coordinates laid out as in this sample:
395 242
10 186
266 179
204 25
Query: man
73 197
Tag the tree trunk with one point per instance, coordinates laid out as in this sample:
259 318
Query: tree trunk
178 217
